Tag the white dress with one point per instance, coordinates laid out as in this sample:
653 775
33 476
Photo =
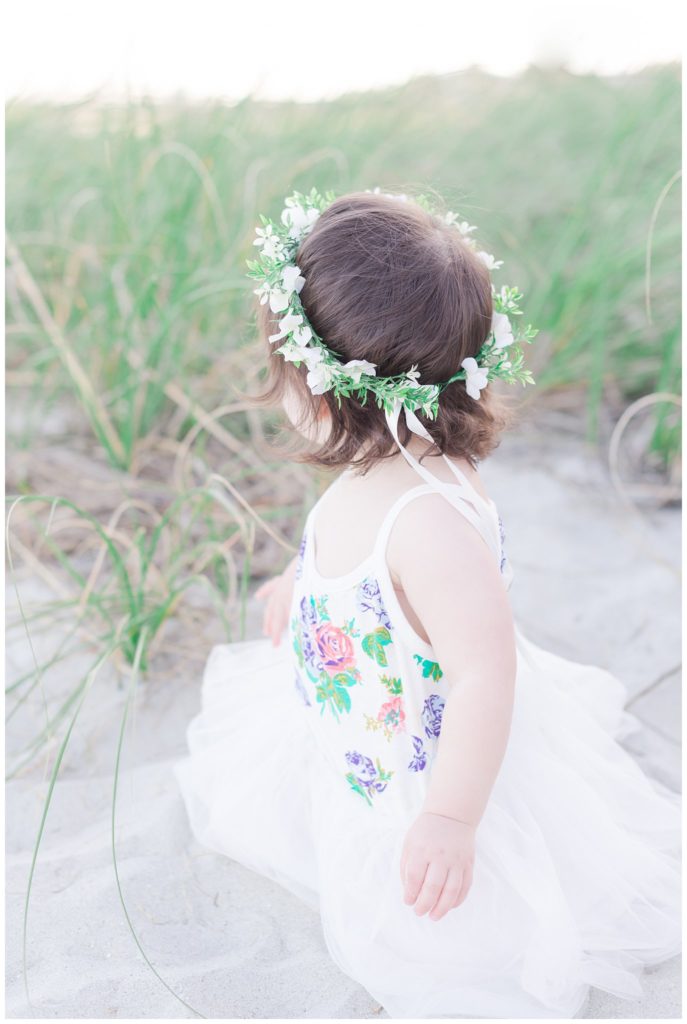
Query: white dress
309 761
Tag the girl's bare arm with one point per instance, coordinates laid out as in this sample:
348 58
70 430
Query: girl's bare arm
452 581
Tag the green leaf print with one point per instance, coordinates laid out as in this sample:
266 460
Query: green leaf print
346 678
333 691
356 787
370 781
321 608
394 686
374 644
429 668
350 628
297 644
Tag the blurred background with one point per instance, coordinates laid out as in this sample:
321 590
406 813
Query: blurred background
144 502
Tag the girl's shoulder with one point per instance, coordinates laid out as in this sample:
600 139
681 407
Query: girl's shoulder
428 534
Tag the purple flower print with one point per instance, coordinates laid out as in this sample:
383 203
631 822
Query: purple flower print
366 778
301 553
419 761
502 535
369 598
431 714
365 771
308 612
298 684
311 653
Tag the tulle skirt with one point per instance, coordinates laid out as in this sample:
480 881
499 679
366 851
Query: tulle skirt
577 869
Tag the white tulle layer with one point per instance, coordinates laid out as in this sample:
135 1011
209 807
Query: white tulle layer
577 873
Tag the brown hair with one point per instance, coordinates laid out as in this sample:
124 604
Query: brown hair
389 282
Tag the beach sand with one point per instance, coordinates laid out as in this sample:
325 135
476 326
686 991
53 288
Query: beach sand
592 582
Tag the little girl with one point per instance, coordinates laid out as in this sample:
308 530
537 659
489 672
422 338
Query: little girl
452 799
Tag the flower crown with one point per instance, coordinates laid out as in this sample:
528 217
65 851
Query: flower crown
281 283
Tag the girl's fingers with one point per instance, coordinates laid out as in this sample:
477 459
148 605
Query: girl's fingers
414 877
274 621
432 886
449 894
465 888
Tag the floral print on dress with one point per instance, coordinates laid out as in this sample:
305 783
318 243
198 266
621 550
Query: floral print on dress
300 557
348 668
375 642
367 777
502 535
430 669
300 689
390 718
419 761
432 712
327 654
368 598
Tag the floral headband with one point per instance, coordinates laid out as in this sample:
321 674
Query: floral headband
281 283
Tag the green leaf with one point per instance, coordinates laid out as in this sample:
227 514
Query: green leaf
429 668
394 686
344 679
374 644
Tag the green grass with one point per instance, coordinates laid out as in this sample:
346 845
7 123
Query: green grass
128 305
133 225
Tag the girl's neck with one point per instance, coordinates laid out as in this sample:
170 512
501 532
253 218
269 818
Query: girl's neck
417 447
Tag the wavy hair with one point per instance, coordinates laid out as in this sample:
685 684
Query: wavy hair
389 282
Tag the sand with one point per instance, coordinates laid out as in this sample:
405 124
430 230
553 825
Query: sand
592 582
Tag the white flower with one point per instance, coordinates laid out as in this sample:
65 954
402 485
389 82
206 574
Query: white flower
320 377
463 226
291 282
270 242
298 220
295 352
287 325
390 195
466 228
263 293
279 300
274 249
355 367
302 335
263 235
476 377
503 333
291 278
489 262
313 356
413 375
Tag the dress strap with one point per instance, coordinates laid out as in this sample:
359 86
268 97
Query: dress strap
389 519
392 514
462 495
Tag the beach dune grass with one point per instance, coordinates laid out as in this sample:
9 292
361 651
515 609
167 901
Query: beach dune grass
129 228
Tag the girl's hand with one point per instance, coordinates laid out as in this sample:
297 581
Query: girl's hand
436 863
278 593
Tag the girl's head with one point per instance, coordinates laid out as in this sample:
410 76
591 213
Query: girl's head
388 282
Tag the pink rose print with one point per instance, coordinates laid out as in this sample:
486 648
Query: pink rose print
392 714
335 647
